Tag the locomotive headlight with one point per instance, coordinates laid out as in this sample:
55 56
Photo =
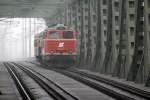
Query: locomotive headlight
70 51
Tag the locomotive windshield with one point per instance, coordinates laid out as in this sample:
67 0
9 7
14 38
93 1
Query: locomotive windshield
54 35
68 35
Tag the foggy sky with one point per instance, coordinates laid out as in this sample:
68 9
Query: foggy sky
13 44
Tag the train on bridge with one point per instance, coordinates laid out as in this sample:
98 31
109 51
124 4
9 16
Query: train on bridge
56 44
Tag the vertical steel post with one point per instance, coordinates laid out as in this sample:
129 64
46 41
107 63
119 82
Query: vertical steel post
65 10
29 37
25 37
98 35
120 68
137 66
108 54
22 37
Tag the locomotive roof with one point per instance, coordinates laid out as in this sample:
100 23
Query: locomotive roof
58 27
52 29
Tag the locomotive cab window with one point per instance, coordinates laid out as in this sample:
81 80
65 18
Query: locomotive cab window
54 35
68 35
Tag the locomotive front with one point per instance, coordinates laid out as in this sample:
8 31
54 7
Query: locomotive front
59 44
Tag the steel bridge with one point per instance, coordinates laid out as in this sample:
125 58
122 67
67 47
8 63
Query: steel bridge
113 35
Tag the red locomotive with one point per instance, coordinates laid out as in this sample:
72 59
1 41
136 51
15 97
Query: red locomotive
56 44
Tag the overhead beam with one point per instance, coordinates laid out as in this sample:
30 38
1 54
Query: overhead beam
29 4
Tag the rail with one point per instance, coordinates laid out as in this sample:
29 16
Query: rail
50 87
26 95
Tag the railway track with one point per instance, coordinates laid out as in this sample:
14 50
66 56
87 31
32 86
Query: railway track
56 92
119 85
95 85
25 93
85 78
